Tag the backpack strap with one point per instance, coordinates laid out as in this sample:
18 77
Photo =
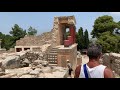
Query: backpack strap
85 71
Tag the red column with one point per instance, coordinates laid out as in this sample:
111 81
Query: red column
70 39
72 33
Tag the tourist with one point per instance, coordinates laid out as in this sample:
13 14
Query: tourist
69 68
93 69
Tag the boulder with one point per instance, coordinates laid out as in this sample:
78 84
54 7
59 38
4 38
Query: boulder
47 70
45 63
11 62
34 72
25 63
8 75
39 66
2 73
37 62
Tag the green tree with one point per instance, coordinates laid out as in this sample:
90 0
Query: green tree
109 42
32 31
80 38
8 42
17 32
2 36
103 24
117 30
86 39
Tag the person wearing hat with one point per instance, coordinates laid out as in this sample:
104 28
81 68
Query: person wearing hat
69 67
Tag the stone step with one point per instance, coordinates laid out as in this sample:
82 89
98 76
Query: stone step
52 54
53 51
53 64
54 48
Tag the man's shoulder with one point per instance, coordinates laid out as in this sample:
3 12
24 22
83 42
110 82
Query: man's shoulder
108 73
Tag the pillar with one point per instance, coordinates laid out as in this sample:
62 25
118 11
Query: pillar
72 33
70 40
22 49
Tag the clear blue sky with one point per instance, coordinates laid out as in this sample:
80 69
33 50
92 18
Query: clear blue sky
43 21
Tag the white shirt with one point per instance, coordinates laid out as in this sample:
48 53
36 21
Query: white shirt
95 72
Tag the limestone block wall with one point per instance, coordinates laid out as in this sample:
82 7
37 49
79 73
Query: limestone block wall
69 53
35 40
112 60
59 26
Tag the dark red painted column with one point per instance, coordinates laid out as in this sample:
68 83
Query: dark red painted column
70 39
72 33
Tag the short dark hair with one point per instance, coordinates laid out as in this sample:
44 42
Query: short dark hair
94 51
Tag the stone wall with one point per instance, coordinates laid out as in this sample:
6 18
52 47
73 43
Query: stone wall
44 38
112 60
60 24
54 37
69 53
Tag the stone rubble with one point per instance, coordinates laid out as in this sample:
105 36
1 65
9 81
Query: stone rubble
112 60
28 65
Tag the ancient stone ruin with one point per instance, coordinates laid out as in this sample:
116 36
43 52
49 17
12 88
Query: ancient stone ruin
28 64
44 55
112 60
59 46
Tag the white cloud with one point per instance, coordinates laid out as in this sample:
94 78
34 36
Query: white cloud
115 13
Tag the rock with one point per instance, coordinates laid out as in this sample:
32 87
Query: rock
60 69
47 70
15 77
2 73
41 75
11 62
33 68
26 76
49 75
38 70
34 72
78 54
39 66
30 65
58 74
2 69
44 63
37 62
25 63
8 75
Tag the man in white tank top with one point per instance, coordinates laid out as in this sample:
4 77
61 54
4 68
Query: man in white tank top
93 69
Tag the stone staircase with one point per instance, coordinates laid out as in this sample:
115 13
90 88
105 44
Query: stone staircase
52 56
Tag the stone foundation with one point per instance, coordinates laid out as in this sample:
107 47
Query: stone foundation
112 60
69 53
